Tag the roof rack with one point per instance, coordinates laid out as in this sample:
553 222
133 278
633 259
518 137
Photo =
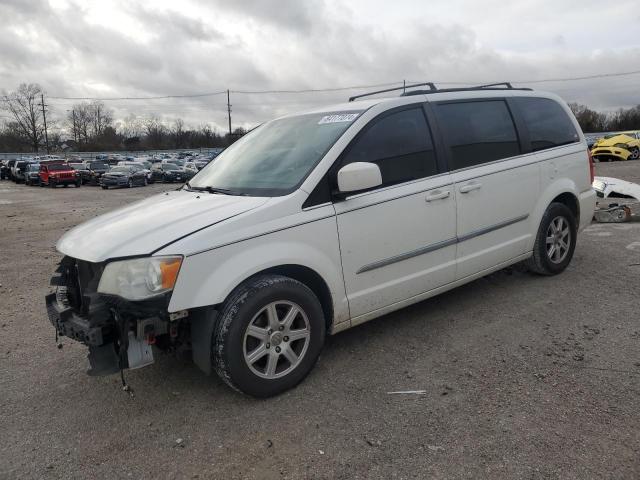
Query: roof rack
434 89
431 86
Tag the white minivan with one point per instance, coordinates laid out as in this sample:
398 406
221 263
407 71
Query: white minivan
316 222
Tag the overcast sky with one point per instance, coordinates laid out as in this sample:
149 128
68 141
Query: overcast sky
134 49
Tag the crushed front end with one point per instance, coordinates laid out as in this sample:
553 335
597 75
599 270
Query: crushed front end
118 331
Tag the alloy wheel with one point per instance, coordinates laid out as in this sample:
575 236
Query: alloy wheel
276 339
558 239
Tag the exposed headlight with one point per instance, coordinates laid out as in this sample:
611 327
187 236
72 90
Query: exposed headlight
140 278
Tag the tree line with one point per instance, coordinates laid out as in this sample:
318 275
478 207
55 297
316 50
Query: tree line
91 126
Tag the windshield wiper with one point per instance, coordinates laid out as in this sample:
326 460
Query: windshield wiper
223 191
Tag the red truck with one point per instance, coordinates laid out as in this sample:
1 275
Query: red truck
57 173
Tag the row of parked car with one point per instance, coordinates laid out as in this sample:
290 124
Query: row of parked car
104 170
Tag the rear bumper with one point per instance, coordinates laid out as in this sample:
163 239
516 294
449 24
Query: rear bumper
587 201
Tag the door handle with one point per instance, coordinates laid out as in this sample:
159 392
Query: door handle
470 187
437 195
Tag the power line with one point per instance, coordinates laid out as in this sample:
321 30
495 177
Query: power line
549 80
195 95
339 89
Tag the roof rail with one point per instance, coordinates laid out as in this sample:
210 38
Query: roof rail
507 85
431 86
491 86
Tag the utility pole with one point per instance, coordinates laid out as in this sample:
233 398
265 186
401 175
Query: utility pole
44 118
229 111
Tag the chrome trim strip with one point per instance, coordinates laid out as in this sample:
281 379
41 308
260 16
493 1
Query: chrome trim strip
497 226
435 187
436 246
407 255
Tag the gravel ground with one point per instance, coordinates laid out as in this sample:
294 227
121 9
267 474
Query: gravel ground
526 377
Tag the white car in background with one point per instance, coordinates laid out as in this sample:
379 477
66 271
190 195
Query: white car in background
316 222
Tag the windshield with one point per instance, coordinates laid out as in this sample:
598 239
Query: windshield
58 166
98 166
170 166
276 157
120 169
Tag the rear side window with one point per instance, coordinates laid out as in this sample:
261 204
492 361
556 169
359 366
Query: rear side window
548 124
400 144
478 132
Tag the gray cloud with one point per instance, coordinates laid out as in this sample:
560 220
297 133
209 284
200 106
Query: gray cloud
260 45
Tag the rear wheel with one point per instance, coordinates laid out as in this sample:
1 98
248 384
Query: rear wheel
635 153
555 241
268 336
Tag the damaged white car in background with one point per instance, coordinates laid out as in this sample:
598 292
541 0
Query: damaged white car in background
607 187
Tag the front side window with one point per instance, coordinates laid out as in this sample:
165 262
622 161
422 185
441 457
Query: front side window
548 124
276 157
400 144
478 132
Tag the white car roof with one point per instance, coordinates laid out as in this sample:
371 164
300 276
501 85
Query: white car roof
390 102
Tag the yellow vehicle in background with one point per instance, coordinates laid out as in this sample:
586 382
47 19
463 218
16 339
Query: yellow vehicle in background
618 146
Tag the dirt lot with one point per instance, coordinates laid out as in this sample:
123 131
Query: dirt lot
527 377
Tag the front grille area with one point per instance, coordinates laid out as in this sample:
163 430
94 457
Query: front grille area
80 281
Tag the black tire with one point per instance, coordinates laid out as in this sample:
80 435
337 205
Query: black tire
240 308
541 262
635 153
78 183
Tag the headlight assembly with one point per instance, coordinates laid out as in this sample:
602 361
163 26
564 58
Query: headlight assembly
140 278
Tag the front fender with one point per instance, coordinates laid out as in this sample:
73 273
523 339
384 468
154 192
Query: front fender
207 278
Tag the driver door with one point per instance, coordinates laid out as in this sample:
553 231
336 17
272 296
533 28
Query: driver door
398 240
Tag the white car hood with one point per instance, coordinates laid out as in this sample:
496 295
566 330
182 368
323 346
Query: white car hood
144 227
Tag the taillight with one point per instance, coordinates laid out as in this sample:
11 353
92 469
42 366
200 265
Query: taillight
592 172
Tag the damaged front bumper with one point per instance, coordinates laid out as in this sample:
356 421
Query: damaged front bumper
119 333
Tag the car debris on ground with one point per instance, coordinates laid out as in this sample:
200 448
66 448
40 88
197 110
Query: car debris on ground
608 187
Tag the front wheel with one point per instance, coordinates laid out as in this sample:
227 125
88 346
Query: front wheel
555 241
635 153
269 335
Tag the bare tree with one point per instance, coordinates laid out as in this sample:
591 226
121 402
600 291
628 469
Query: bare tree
180 135
101 118
26 112
155 131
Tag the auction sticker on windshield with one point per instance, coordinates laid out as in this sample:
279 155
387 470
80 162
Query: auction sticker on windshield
338 118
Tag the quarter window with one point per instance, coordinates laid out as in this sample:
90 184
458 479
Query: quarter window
547 122
478 132
400 144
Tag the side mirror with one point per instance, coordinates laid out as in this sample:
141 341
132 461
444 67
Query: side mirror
358 176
